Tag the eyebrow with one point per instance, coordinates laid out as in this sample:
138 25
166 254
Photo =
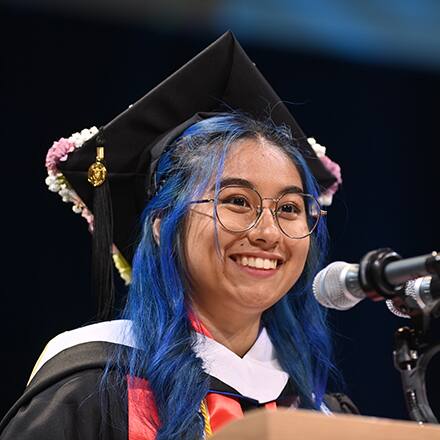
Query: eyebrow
247 184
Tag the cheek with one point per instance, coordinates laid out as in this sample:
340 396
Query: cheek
299 253
199 245
204 259
305 248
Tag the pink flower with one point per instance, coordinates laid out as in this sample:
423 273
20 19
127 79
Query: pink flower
335 170
88 216
58 152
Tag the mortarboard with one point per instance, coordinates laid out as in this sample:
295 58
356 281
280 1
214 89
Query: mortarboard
220 78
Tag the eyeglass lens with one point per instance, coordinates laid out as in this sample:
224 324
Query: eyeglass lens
238 209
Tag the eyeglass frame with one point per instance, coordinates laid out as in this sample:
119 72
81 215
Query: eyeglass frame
260 209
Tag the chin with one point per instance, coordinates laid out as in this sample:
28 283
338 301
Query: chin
258 301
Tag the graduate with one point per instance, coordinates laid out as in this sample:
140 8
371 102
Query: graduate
208 198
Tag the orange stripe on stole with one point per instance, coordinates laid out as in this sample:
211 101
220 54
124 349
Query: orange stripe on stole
222 409
143 420
271 406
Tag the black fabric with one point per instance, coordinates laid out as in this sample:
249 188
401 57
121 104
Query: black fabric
82 357
102 270
63 401
69 409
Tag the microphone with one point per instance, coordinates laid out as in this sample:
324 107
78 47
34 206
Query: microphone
337 286
424 291
342 285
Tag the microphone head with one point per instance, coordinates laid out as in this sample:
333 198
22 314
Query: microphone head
336 286
395 310
417 289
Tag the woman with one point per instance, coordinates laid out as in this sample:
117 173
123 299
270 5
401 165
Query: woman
219 317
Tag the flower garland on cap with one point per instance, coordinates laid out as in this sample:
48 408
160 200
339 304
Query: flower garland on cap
57 183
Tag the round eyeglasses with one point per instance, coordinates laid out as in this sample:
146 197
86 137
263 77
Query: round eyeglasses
239 209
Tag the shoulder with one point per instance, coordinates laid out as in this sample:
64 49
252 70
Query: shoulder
64 387
117 332
64 402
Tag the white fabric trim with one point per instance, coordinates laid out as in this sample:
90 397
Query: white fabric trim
117 332
257 374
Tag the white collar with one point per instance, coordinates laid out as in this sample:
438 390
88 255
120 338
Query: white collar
256 375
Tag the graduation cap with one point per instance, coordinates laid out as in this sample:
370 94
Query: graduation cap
112 193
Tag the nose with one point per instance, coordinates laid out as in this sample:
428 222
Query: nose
266 232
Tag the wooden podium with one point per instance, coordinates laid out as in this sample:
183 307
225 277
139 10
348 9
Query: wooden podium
309 425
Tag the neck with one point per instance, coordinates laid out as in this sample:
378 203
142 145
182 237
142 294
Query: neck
238 334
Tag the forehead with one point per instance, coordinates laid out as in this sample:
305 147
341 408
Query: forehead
263 164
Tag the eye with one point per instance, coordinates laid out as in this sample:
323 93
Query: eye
237 203
237 200
289 211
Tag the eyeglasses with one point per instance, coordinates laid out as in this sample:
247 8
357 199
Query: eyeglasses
239 209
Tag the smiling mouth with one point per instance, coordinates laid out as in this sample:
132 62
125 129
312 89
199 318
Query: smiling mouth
257 262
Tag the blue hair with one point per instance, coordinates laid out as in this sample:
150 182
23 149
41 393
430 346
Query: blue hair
158 302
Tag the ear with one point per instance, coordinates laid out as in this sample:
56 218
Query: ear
156 230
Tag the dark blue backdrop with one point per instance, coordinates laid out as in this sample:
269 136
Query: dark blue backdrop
61 75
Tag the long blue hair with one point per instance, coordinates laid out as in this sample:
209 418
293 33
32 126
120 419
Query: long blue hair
158 301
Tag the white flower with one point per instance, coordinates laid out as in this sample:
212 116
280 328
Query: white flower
50 180
65 194
75 138
54 187
317 148
79 138
325 199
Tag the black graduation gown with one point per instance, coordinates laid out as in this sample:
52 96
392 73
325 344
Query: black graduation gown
62 402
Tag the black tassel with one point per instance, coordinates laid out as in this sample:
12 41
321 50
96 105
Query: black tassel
102 263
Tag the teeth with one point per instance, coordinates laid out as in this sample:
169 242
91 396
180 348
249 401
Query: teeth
259 263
